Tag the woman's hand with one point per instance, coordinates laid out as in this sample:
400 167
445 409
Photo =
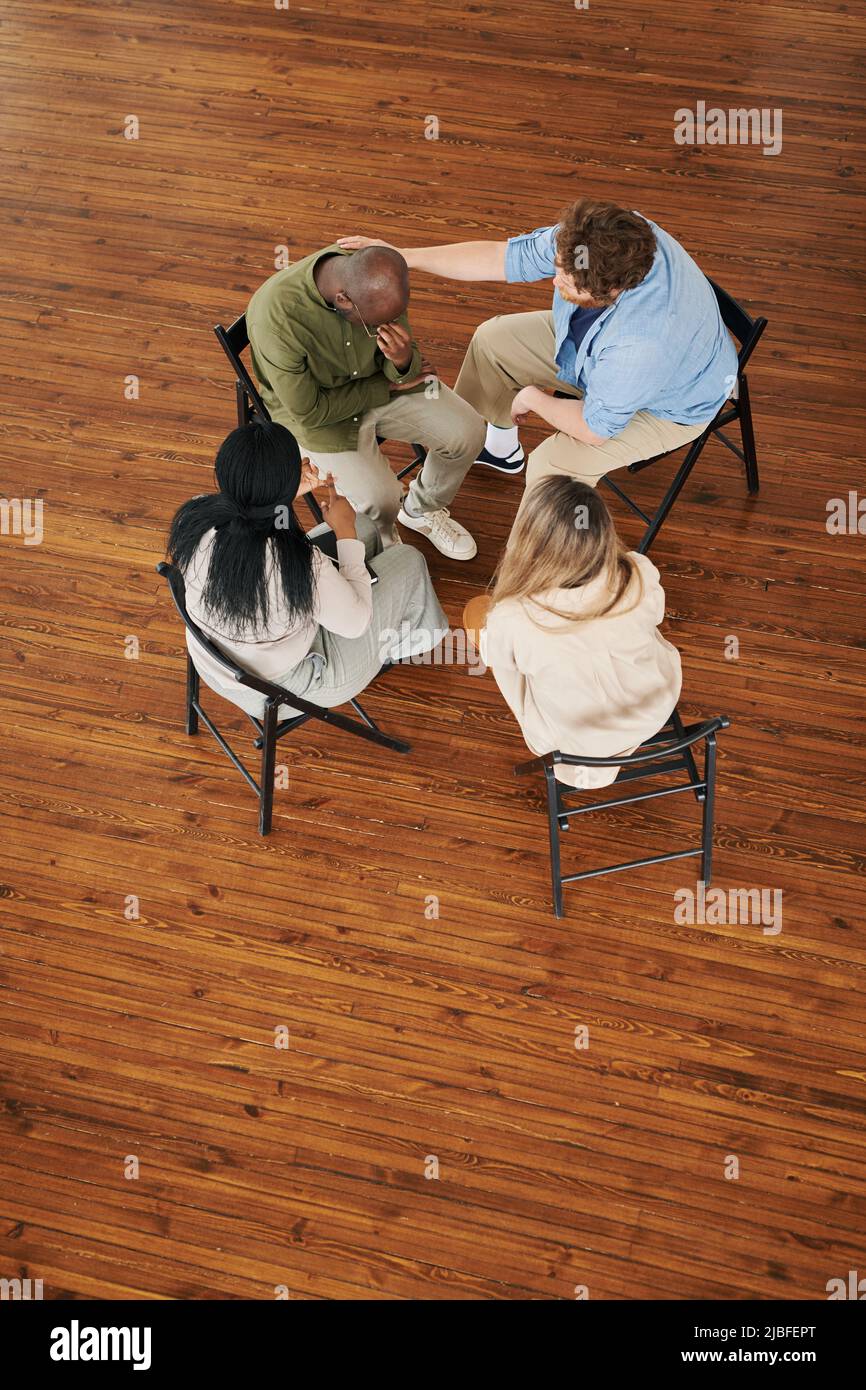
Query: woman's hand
339 513
310 479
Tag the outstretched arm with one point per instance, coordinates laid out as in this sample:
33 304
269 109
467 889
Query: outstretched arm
463 260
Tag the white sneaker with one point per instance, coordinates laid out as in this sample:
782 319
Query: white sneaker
443 531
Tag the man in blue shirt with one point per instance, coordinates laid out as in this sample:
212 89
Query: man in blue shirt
634 336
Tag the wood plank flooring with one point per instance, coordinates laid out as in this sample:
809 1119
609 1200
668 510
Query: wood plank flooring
415 1038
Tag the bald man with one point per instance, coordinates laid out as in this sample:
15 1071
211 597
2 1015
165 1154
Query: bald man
337 365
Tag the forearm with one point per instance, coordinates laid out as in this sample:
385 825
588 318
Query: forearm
313 405
393 373
464 260
565 416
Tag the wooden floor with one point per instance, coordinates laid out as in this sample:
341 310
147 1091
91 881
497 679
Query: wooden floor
413 1038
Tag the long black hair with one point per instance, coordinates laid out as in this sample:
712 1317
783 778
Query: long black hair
258 471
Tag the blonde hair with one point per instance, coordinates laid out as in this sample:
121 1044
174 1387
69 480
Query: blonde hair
564 537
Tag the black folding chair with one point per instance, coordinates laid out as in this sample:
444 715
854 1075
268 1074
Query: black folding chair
747 332
269 728
670 750
234 340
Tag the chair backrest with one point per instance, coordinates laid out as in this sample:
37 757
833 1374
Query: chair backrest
745 329
691 734
234 340
177 588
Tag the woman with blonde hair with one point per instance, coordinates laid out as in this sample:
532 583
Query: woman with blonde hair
570 631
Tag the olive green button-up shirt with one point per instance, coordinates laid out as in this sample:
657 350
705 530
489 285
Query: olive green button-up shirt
318 372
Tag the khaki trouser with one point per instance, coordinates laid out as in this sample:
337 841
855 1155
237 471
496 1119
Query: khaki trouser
515 350
450 428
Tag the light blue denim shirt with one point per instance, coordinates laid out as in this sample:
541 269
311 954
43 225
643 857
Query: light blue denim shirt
660 347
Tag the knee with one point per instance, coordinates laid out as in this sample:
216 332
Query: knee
410 562
463 430
485 335
400 564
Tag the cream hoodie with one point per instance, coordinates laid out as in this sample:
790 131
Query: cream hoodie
600 686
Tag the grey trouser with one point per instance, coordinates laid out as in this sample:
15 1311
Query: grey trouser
407 619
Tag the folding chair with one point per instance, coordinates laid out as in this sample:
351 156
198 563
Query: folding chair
234 340
269 728
747 332
670 750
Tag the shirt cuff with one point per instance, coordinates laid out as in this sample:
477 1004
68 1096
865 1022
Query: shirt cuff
351 552
512 271
413 369
596 419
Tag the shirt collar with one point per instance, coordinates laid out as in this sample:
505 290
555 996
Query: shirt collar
311 286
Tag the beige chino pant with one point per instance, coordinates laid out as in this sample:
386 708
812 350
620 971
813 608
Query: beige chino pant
516 350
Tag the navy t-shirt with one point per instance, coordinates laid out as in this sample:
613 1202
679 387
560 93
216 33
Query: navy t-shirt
581 321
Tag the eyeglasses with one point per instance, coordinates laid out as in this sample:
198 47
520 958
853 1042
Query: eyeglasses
363 324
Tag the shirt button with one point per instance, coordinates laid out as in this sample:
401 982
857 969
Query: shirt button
354 419
354 374
348 344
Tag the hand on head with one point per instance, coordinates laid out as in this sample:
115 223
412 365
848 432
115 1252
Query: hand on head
357 243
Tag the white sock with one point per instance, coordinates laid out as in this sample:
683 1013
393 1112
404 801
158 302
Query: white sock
501 442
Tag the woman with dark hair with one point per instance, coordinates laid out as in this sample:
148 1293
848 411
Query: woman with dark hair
270 597
570 632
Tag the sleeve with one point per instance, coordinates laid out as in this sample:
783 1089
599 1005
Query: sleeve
344 600
498 653
305 400
652 600
414 367
623 379
531 256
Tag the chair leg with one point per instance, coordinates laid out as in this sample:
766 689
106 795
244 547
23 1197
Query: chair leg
563 819
709 806
553 831
359 709
673 492
691 766
269 758
192 691
747 431
420 454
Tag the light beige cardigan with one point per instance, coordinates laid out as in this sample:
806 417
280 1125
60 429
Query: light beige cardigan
598 686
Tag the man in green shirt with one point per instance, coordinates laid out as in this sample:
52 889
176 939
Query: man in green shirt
334 356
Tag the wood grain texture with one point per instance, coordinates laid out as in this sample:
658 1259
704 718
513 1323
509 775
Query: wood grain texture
412 1037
